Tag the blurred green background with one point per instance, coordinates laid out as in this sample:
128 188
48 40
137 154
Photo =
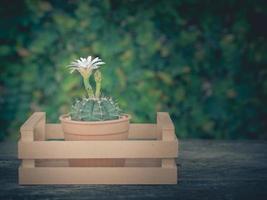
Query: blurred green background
204 62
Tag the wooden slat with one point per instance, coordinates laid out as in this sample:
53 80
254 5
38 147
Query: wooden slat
53 131
164 119
143 162
132 162
97 175
39 129
142 131
51 163
28 163
168 135
165 127
97 149
168 163
27 135
31 122
34 127
136 131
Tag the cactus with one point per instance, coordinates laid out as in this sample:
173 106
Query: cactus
95 109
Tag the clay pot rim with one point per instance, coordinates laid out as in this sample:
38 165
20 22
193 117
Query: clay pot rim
66 119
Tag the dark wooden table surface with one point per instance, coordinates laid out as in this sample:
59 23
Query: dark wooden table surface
207 170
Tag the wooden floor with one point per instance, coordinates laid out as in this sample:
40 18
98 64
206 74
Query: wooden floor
207 170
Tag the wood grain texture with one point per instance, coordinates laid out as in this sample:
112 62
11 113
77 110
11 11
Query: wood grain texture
207 170
98 175
97 149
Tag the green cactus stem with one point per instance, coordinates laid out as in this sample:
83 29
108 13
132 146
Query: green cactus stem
98 79
87 86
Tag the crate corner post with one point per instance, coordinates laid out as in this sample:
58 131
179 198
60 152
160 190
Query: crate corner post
32 130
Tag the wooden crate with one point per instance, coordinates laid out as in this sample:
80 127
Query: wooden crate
150 153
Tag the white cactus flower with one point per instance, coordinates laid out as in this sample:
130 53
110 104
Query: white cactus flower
85 65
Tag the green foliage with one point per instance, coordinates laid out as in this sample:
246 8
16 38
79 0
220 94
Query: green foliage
95 109
203 62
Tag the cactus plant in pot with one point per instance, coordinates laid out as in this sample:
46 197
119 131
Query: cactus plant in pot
94 117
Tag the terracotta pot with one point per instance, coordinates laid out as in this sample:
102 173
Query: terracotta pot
99 130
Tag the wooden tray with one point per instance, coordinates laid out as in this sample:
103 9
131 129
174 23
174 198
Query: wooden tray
150 153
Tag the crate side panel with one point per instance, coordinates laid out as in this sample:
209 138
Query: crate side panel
77 175
97 149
